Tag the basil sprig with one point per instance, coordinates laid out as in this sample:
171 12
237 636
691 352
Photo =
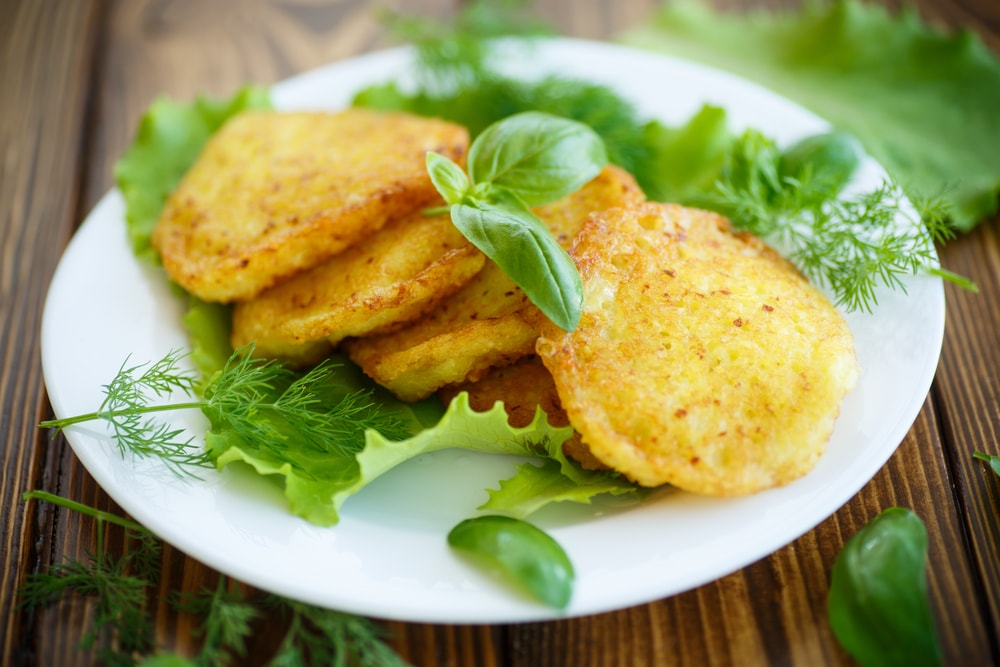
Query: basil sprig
524 160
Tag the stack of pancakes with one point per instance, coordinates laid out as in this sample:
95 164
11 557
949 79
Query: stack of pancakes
703 359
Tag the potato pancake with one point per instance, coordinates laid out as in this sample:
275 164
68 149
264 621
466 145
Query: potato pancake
382 282
274 193
487 323
522 387
703 359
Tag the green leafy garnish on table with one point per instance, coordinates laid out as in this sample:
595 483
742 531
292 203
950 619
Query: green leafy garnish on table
878 604
120 623
923 103
123 590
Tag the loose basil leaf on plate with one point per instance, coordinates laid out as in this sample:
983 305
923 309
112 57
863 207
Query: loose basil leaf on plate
521 550
878 604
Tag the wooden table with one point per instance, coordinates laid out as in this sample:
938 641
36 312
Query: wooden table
75 75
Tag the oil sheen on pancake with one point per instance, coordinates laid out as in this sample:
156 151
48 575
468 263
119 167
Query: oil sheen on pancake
703 359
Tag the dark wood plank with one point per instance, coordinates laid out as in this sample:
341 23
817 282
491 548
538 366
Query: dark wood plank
46 51
968 400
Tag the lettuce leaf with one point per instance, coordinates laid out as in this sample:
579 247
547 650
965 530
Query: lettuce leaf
317 485
170 136
686 160
923 103
556 479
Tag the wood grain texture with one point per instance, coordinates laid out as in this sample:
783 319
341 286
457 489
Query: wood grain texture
967 395
44 78
75 76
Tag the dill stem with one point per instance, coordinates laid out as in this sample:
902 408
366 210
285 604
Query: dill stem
106 414
86 510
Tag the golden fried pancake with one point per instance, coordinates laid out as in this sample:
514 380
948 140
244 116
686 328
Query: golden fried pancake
522 387
274 193
487 323
703 359
382 282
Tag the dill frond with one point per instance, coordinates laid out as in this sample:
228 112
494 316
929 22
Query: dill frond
855 244
225 617
261 403
319 636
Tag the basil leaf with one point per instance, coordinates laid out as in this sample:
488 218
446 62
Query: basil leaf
538 156
521 550
524 249
448 178
878 606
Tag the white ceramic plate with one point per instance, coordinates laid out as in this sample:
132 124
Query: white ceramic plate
388 557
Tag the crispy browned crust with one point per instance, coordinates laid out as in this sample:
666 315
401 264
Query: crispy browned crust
377 285
487 323
275 193
703 359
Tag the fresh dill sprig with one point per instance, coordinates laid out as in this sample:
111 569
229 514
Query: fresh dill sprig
853 244
126 407
319 636
260 402
122 631
226 615
120 626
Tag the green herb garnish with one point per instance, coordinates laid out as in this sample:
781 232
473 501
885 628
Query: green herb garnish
225 617
521 551
119 586
127 408
878 604
123 590
851 243
257 403
525 160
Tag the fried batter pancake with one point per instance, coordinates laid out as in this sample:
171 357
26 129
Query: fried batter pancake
703 359
487 323
274 193
386 280
522 388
